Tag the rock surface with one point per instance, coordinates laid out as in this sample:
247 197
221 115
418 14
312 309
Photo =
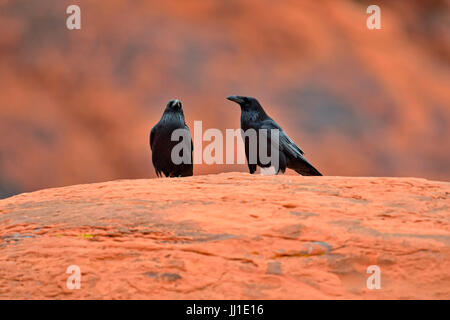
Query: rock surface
229 236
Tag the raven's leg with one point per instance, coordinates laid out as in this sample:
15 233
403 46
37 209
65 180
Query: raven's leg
282 164
251 167
186 170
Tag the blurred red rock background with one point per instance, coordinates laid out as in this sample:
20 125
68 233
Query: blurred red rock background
77 106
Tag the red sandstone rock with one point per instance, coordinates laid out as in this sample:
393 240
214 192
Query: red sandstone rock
229 236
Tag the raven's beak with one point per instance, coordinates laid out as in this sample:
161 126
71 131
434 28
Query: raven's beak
177 103
236 99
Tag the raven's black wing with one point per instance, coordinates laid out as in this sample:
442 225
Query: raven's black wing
295 158
192 144
284 142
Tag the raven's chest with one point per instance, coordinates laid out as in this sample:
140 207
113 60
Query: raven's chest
249 120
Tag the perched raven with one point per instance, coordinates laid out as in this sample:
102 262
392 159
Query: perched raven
254 117
161 143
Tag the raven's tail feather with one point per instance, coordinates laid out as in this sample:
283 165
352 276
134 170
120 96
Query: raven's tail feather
303 167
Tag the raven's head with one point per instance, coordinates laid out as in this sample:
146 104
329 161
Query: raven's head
174 105
246 103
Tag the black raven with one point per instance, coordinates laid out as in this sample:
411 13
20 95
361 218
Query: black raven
254 117
162 145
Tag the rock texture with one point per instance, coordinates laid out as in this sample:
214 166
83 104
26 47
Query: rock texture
231 236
